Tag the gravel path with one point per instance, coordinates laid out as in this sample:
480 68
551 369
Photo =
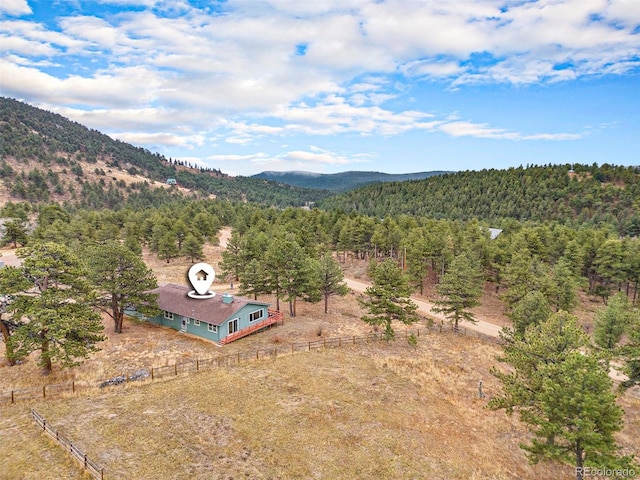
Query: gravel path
483 326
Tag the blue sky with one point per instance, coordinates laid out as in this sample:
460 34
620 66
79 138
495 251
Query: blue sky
326 86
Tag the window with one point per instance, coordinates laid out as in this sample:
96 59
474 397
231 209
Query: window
196 322
233 326
257 315
168 315
212 328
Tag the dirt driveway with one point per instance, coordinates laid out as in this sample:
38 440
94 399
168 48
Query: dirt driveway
483 326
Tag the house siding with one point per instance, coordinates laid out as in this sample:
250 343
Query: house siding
202 330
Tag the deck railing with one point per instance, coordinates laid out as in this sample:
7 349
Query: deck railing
273 318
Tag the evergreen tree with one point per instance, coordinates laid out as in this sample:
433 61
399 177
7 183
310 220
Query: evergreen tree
388 297
232 262
121 280
631 351
167 248
180 230
253 279
57 301
563 286
192 248
460 288
563 394
611 322
288 270
331 279
14 233
533 309
577 416
11 281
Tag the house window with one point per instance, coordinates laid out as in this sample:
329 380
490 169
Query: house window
212 328
257 315
196 322
168 315
233 326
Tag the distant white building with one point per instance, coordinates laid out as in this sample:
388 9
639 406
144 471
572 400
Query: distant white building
494 232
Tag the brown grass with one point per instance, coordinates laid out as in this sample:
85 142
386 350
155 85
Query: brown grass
379 411
370 411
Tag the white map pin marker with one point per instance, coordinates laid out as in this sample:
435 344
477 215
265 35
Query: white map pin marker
201 276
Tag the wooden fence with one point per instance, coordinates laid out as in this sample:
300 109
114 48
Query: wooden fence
89 465
189 366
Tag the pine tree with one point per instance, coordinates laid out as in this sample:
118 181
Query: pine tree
167 248
11 282
577 416
331 279
121 280
563 286
533 309
57 301
14 232
388 297
563 394
192 248
460 289
612 321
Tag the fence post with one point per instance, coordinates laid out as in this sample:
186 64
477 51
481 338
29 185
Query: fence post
73 387
44 391
12 399
151 373
197 365
175 368
309 346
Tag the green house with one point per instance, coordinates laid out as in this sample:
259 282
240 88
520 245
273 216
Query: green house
221 318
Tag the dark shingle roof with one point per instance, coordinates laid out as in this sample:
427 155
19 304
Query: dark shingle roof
173 298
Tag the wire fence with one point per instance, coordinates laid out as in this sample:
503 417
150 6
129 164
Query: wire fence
95 470
235 359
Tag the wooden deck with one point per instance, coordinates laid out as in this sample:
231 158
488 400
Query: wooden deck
273 318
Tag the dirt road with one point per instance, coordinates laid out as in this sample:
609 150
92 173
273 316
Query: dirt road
483 326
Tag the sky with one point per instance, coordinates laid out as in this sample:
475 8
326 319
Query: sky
395 86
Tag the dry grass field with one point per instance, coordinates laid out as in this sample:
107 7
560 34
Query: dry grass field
379 411
369 411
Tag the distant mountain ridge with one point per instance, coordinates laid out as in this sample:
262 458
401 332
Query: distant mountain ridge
343 181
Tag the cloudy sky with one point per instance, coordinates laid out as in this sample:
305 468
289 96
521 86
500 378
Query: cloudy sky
327 86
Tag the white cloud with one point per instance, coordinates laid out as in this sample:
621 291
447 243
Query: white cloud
14 7
165 139
313 159
238 77
478 130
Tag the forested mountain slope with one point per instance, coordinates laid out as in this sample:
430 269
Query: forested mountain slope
46 157
582 194
341 182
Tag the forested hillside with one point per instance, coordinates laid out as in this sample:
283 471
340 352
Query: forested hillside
583 194
46 157
343 181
